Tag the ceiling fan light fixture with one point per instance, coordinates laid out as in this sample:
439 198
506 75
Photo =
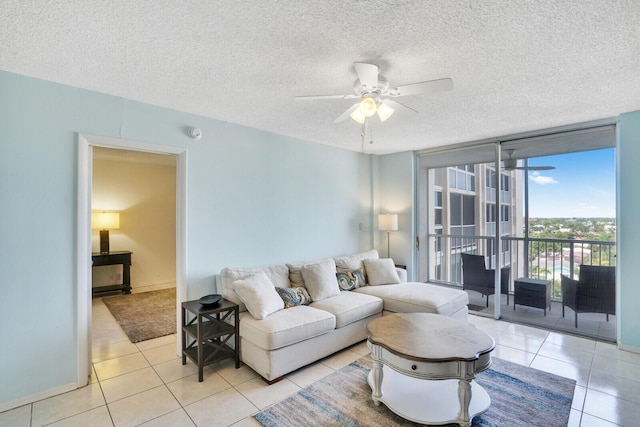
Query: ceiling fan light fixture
357 116
367 106
384 111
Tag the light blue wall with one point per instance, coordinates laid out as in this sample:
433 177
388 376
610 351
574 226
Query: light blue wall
253 198
396 182
628 228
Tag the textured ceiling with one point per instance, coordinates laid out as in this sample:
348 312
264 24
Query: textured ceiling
516 65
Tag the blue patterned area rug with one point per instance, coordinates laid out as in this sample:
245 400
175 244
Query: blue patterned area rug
520 396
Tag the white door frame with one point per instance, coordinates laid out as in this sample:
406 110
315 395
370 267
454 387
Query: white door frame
83 287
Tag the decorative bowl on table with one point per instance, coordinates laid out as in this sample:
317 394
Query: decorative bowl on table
209 300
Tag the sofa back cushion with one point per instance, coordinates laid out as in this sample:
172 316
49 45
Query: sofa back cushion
278 275
345 264
320 280
295 271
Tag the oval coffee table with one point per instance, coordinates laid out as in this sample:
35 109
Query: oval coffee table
424 366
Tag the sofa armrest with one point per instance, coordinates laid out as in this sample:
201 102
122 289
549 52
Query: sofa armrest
402 274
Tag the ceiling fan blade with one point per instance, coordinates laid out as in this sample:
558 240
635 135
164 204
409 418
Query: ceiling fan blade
536 168
367 74
346 114
427 87
299 98
397 105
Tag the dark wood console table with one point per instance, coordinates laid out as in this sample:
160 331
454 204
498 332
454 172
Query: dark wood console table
114 258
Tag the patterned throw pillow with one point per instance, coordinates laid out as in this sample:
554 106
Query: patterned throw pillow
351 280
294 296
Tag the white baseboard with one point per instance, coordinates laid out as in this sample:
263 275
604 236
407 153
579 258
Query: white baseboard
629 348
38 396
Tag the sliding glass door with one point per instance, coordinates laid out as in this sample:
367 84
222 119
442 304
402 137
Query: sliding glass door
467 204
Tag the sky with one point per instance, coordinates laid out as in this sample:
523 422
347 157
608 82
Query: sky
581 185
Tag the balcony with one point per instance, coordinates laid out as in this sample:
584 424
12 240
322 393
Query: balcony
535 258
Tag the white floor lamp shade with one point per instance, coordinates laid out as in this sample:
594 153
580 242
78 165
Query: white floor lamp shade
388 223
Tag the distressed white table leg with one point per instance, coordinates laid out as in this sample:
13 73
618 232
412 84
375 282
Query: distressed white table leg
464 396
376 373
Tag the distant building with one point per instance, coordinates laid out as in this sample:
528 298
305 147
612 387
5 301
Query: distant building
463 206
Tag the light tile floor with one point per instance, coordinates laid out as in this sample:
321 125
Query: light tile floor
594 325
146 384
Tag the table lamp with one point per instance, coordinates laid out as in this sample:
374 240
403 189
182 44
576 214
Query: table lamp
105 221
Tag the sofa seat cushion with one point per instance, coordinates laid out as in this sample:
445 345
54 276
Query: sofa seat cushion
349 307
418 297
286 327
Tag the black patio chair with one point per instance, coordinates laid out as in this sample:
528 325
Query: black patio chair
476 277
593 292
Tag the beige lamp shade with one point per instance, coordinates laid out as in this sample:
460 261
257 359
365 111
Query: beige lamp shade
388 222
105 220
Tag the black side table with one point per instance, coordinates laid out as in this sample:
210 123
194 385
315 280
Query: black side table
206 335
114 258
533 293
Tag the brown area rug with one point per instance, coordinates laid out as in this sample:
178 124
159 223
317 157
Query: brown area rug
145 315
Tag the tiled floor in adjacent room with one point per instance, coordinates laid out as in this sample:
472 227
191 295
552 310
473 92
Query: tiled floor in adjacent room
146 384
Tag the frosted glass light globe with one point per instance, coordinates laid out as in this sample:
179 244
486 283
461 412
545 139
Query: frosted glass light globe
367 107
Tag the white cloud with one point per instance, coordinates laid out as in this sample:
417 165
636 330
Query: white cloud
540 179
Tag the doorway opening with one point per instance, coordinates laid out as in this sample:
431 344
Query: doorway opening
139 150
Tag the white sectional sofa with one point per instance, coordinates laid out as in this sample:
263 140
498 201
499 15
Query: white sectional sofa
346 293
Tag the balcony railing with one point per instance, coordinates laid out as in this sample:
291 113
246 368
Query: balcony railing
538 258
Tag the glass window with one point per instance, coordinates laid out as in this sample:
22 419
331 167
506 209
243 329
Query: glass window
437 209
505 182
472 183
469 211
491 178
456 209
491 212
438 217
452 178
456 268
438 177
462 181
505 212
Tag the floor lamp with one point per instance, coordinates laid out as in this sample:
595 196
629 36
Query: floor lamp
388 223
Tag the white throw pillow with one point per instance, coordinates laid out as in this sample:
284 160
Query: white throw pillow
320 279
295 271
381 271
259 295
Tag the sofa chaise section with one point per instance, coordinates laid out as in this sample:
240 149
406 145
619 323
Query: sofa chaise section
414 297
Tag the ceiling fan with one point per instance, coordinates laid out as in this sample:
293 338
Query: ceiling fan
510 164
374 92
